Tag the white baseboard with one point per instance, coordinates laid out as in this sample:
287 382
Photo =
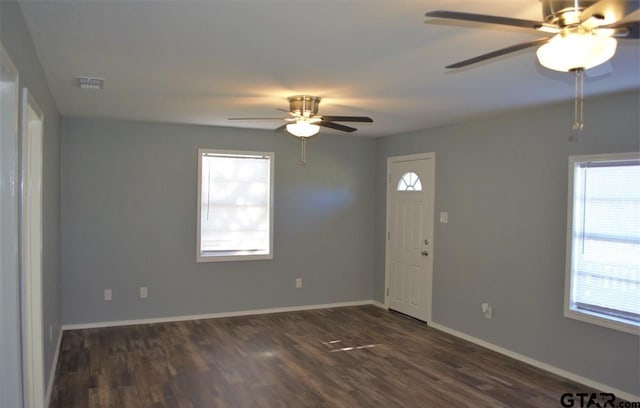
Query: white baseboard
214 315
539 364
379 304
54 365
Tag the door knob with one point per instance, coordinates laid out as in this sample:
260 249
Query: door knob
424 253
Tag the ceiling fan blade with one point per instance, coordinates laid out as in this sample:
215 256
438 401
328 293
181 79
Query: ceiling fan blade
284 110
611 10
258 118
483 18
631 29
347 118
336 126
280 128
499 52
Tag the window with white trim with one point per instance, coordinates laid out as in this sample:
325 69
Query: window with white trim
603 244
235 205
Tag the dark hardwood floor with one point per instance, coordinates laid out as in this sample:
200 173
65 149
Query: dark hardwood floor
343 357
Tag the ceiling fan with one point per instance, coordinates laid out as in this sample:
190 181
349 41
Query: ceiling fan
584 36
304 121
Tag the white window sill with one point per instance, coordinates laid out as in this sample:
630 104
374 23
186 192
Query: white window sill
600 320
225 256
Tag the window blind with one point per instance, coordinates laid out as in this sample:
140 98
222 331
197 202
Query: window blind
235 201
605 262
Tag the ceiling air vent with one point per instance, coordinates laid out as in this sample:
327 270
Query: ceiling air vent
85 82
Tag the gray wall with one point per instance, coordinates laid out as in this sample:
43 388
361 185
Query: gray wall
19 46
129 201
129 220
503 181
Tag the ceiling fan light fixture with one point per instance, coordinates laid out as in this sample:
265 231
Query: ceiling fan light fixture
571 51
303 129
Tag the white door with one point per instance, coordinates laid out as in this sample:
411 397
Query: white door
409 267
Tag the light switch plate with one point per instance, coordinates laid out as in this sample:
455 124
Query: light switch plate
444 217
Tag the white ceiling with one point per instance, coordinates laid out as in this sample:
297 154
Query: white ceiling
201 62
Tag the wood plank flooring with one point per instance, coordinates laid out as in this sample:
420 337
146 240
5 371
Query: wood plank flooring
343 357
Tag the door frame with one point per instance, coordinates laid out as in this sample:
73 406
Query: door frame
31 246
432 183
10 352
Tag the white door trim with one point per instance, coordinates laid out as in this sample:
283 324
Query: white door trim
432 181
10 367
31 158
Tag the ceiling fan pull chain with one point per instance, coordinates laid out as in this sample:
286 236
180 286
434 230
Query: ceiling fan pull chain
303 152
578 107
581 99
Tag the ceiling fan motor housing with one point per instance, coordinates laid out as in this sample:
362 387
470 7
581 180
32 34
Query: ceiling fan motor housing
303 105
563 12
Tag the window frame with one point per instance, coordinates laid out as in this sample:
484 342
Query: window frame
238 255
569 312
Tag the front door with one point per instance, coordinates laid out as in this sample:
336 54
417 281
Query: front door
409 267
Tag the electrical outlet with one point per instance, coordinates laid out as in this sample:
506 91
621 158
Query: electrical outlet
143 292
107 295
487 310
444 217
298 283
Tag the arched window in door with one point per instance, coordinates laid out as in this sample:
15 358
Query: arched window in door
410 182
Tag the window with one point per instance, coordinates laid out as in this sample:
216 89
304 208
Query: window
603 244
409 182
235 211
